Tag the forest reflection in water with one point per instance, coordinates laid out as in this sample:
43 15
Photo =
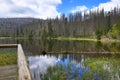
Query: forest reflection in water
35 47
75 67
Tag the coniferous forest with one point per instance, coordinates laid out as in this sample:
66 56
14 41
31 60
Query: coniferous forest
95 24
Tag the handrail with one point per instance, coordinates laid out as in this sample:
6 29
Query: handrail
23 71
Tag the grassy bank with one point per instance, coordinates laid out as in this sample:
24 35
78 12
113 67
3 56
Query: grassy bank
68 38
109 40
7 57
75 39
86 39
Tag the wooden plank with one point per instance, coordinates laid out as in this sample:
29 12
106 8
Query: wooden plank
8 45
23 70
8 72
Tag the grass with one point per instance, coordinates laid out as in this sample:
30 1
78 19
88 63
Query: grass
86 39
112 65
103 60
75 39
109 40
7 57
104 40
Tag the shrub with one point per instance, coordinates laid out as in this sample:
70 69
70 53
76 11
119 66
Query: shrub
115 31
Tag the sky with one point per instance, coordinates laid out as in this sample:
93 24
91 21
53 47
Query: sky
51 8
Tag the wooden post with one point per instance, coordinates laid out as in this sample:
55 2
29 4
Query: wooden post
23 71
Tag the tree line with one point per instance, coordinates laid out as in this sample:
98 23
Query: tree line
95 24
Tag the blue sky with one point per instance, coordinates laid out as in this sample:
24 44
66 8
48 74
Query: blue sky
68 5
51 8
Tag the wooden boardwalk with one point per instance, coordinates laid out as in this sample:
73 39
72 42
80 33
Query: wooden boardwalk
16 72
8 72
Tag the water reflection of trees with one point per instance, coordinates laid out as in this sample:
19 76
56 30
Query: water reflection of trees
53 46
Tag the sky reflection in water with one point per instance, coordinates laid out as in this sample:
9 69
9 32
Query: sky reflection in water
39 64
75 70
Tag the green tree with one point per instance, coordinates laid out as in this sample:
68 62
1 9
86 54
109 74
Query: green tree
99 33
50 30
43 34
30 36
115 31
17 32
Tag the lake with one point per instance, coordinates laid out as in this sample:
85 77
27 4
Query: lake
71 60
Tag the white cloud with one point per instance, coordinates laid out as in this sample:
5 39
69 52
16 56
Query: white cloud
79 9
29 8
108 5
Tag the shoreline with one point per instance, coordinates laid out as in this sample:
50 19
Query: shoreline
104 40
86 39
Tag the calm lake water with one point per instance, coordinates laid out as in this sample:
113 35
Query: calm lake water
71 60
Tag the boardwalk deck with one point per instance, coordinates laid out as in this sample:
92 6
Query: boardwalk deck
8 72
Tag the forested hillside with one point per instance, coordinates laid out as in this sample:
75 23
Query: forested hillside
9 26
94 24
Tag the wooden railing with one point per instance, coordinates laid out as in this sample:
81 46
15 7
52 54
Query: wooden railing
8 45
23 70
